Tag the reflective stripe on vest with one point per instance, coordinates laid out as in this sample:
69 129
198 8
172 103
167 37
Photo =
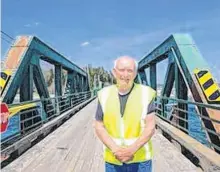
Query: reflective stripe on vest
125 130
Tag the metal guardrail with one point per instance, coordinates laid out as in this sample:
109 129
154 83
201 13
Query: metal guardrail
44 111
168 110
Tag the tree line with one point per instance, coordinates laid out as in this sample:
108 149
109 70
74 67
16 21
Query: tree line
100 75
97 75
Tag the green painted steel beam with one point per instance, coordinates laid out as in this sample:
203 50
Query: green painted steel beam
181 93
189 53
158 54
169 80
181 49
77 83
36 49
18 76
40 82
26 88
70 82
50 55
58 80
80 83
186 50
153 76
142 77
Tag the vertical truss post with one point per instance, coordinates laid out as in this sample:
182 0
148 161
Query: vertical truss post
181 93
142 77
153 76
26 88
58 80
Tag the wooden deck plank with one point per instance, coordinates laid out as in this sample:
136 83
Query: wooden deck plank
74 147
77 149
87 154
78 153
59 148
167 155
97 157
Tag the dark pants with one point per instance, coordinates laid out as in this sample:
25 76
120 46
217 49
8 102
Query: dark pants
134 167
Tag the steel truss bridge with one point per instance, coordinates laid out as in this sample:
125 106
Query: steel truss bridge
31 120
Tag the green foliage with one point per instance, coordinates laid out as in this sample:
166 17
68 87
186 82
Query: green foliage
49 77
105 76
63 77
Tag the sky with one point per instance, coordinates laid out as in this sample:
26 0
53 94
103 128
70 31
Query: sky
96 32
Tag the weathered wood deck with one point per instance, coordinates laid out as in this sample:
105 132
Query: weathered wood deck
74 147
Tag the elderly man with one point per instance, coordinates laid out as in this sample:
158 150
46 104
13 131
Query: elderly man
125 120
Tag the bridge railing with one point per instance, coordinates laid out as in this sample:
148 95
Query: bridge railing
189 117
32 115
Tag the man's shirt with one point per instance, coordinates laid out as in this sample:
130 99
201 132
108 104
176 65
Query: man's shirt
123 100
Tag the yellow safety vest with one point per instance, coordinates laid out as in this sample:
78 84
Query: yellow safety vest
125 130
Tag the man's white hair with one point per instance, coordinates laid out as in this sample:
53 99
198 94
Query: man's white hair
135 62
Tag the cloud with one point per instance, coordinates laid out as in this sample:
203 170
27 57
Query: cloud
32 25
85 44
137 43
27 25
105 49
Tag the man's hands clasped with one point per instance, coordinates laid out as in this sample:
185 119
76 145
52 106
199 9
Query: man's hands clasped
124 154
